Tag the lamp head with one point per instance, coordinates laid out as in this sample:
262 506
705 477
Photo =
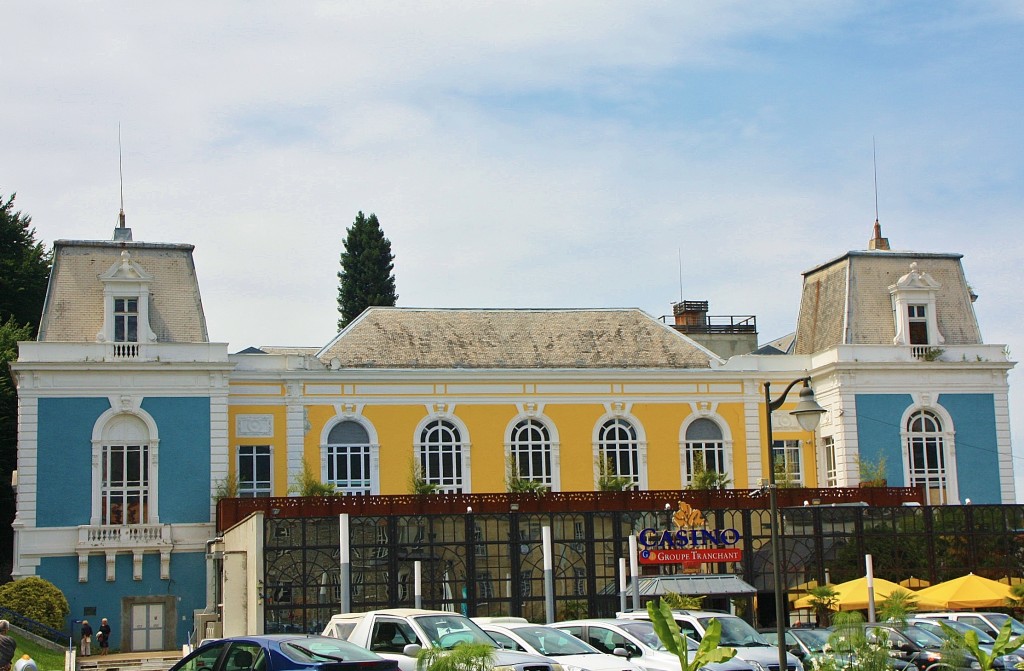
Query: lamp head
807 411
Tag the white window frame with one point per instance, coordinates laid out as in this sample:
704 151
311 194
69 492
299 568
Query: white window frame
120 425
256 488
724 446
945 439
831 464
786 452
451 453
370 456
636 444
527 448
918 289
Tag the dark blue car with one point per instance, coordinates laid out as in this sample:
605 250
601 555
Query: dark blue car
283 652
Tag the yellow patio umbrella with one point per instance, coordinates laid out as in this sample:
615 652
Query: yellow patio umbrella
853 595
969 591
914 583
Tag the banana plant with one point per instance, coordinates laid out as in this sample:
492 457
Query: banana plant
1003 645
668 633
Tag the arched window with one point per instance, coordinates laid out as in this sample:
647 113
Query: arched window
440 452
704 453
530 449
619 451
926 455
124 479
348 455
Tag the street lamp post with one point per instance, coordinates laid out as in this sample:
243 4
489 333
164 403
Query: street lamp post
808 414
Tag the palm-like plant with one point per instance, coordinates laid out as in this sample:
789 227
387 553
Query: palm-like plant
823 599
463 657
898 606
668 633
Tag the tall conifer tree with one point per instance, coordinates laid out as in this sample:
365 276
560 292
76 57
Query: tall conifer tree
366 278
24 272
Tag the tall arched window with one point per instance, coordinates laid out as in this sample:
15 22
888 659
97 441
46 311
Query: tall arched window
440 452
348 454
124 464
530 449
704 452
619 451
926 455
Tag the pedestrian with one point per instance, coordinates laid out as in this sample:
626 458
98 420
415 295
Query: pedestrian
86 638
7 645
103 637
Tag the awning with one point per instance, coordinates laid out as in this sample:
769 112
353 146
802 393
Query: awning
693 585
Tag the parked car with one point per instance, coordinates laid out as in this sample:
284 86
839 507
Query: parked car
809 643
636 640
571 652
750 646
923 649
401 633
985 642
990 623
283 652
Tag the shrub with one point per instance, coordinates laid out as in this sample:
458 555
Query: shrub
37 599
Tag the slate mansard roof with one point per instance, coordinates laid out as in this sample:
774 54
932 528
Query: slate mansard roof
73 311
384 337
846 301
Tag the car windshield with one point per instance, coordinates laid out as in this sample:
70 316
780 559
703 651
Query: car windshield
321 648
999 620
736 632
961 628
814 639
447 631
923 638
644 631
553 642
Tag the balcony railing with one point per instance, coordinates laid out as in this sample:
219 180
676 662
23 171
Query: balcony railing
124 537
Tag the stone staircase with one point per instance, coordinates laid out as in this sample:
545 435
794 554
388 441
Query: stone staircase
130 661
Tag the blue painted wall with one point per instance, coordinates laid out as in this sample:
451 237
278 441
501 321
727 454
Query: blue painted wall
878 431
184 425
977 461
64 459
879 418
187 584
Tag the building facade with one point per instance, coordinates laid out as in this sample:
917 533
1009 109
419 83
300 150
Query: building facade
132 423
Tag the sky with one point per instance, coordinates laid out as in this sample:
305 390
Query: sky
527 154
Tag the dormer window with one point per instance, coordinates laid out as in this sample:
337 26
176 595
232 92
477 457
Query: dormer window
914 302
126 320
126 308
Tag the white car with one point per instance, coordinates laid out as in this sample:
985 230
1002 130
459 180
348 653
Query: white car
639 642
569 651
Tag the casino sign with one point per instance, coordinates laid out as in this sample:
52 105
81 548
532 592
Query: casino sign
690 544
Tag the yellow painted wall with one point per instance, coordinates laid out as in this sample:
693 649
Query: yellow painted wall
278 443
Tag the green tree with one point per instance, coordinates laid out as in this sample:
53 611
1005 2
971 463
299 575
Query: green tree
367 264
37 599
898 606
24 273
24 268
823 600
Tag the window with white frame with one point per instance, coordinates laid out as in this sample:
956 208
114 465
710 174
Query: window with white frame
125 484
440 452
926 455
788 468
530 449
917 324
254 468
828 445
619 449
704 449
348 453
126 319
